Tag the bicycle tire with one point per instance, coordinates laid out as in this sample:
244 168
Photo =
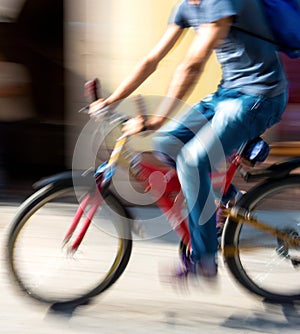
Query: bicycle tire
262 263
34 231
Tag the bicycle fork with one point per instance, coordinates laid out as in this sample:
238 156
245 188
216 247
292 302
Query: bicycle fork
91 202
94 202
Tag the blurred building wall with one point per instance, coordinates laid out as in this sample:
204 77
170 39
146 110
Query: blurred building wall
63 43
106 39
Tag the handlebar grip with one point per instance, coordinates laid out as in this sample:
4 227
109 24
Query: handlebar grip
91 90
141 105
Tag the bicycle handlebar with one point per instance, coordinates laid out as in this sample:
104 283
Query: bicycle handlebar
91 93
91 88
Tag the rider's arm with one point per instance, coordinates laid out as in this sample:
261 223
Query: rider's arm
143 70
208 37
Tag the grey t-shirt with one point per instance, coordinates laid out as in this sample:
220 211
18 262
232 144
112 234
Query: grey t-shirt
248 63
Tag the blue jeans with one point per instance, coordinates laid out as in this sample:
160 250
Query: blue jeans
199 143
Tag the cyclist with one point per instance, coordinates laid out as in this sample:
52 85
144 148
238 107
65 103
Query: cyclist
251 97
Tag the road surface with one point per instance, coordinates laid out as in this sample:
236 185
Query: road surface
140 302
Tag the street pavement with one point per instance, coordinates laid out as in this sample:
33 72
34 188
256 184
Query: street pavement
141 302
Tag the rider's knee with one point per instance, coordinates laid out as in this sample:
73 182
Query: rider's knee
166 146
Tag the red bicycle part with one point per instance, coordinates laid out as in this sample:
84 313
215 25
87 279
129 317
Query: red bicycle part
94 203
76 220
170 202
73 248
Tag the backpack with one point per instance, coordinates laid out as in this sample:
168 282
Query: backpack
283 17
283 21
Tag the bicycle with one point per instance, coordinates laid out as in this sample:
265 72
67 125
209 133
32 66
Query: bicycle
53 264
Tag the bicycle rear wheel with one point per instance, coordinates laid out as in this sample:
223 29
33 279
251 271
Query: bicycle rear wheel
44 268
262 263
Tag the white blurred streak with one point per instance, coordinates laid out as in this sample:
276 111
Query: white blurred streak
10 9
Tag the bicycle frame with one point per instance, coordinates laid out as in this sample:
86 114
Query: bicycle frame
172 199
239 215
170 203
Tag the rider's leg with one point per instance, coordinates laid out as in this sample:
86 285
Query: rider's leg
238 118
169 140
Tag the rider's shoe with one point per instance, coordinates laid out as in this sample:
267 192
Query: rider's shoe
186 266
206 267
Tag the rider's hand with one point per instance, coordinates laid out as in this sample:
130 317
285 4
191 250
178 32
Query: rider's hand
133 126
96 106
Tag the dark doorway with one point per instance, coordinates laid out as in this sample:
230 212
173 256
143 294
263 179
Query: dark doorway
35 39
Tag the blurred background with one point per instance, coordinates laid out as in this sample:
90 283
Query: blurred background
49 48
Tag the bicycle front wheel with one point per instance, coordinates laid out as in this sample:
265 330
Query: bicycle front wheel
44 267
265 264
